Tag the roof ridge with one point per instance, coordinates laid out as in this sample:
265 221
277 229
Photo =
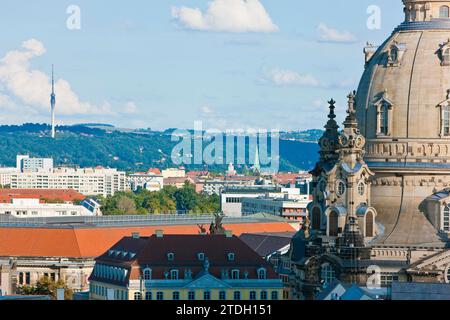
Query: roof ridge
77 241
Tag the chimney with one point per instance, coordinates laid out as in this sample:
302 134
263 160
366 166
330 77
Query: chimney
228 233
159 233
135 235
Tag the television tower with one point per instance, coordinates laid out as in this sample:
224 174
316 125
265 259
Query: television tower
53 103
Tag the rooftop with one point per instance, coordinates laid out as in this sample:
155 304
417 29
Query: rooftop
66 195
53 238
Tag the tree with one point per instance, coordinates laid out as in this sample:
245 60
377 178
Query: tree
46 287
126 205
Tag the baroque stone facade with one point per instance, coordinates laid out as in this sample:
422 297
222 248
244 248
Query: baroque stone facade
381 207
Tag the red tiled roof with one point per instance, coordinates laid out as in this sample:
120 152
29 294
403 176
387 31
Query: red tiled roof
65 195
154 171
92 242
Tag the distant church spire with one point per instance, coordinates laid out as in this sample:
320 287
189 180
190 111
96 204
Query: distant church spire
53 104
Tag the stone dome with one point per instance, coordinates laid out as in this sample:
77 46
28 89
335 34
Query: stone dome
403 110
404 92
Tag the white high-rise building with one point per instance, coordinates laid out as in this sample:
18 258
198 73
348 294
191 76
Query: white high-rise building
39 173
27 164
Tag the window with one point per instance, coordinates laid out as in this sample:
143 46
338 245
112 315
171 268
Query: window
170 256
340 189
262 274
235 274
446 119
175 296
444 12
333 224
222 295
369 225
252 295
384 119
147 274
263 295
446 219
361 188
274 295
316 218
231 256
237 295
174 274
148 296
201 256
393 55
327 273
27 278
446 57
160 296
137 296
388 278
447 274
207 295
191 295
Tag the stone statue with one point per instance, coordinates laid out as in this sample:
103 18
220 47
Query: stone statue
216 226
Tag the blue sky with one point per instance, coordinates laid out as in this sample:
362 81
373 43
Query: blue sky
153 64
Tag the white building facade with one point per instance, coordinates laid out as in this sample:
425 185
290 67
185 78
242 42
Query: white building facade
33 208
88 181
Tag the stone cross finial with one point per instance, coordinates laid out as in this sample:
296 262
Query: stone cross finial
332 103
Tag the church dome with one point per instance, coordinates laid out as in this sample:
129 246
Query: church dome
403 99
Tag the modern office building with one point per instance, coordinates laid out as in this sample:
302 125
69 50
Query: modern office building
88 181
183 267
27 164
286 207
231 198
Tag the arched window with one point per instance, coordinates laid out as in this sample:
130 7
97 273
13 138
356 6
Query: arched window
327 273
369 224
137 296
446 119
393 55
444 12
262 274
333 224
446 219
361 188
263 295
316 218
147 274
148 296
384 119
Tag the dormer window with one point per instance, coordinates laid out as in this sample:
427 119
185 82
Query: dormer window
147 274
444 12
393 56
262 274
201 256
174 274
445 116
444 53
170 256
231 256
235 274
384 108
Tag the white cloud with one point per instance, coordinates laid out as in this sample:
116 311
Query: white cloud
226 16
328 34
207 110
281 77
130 108
31 87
